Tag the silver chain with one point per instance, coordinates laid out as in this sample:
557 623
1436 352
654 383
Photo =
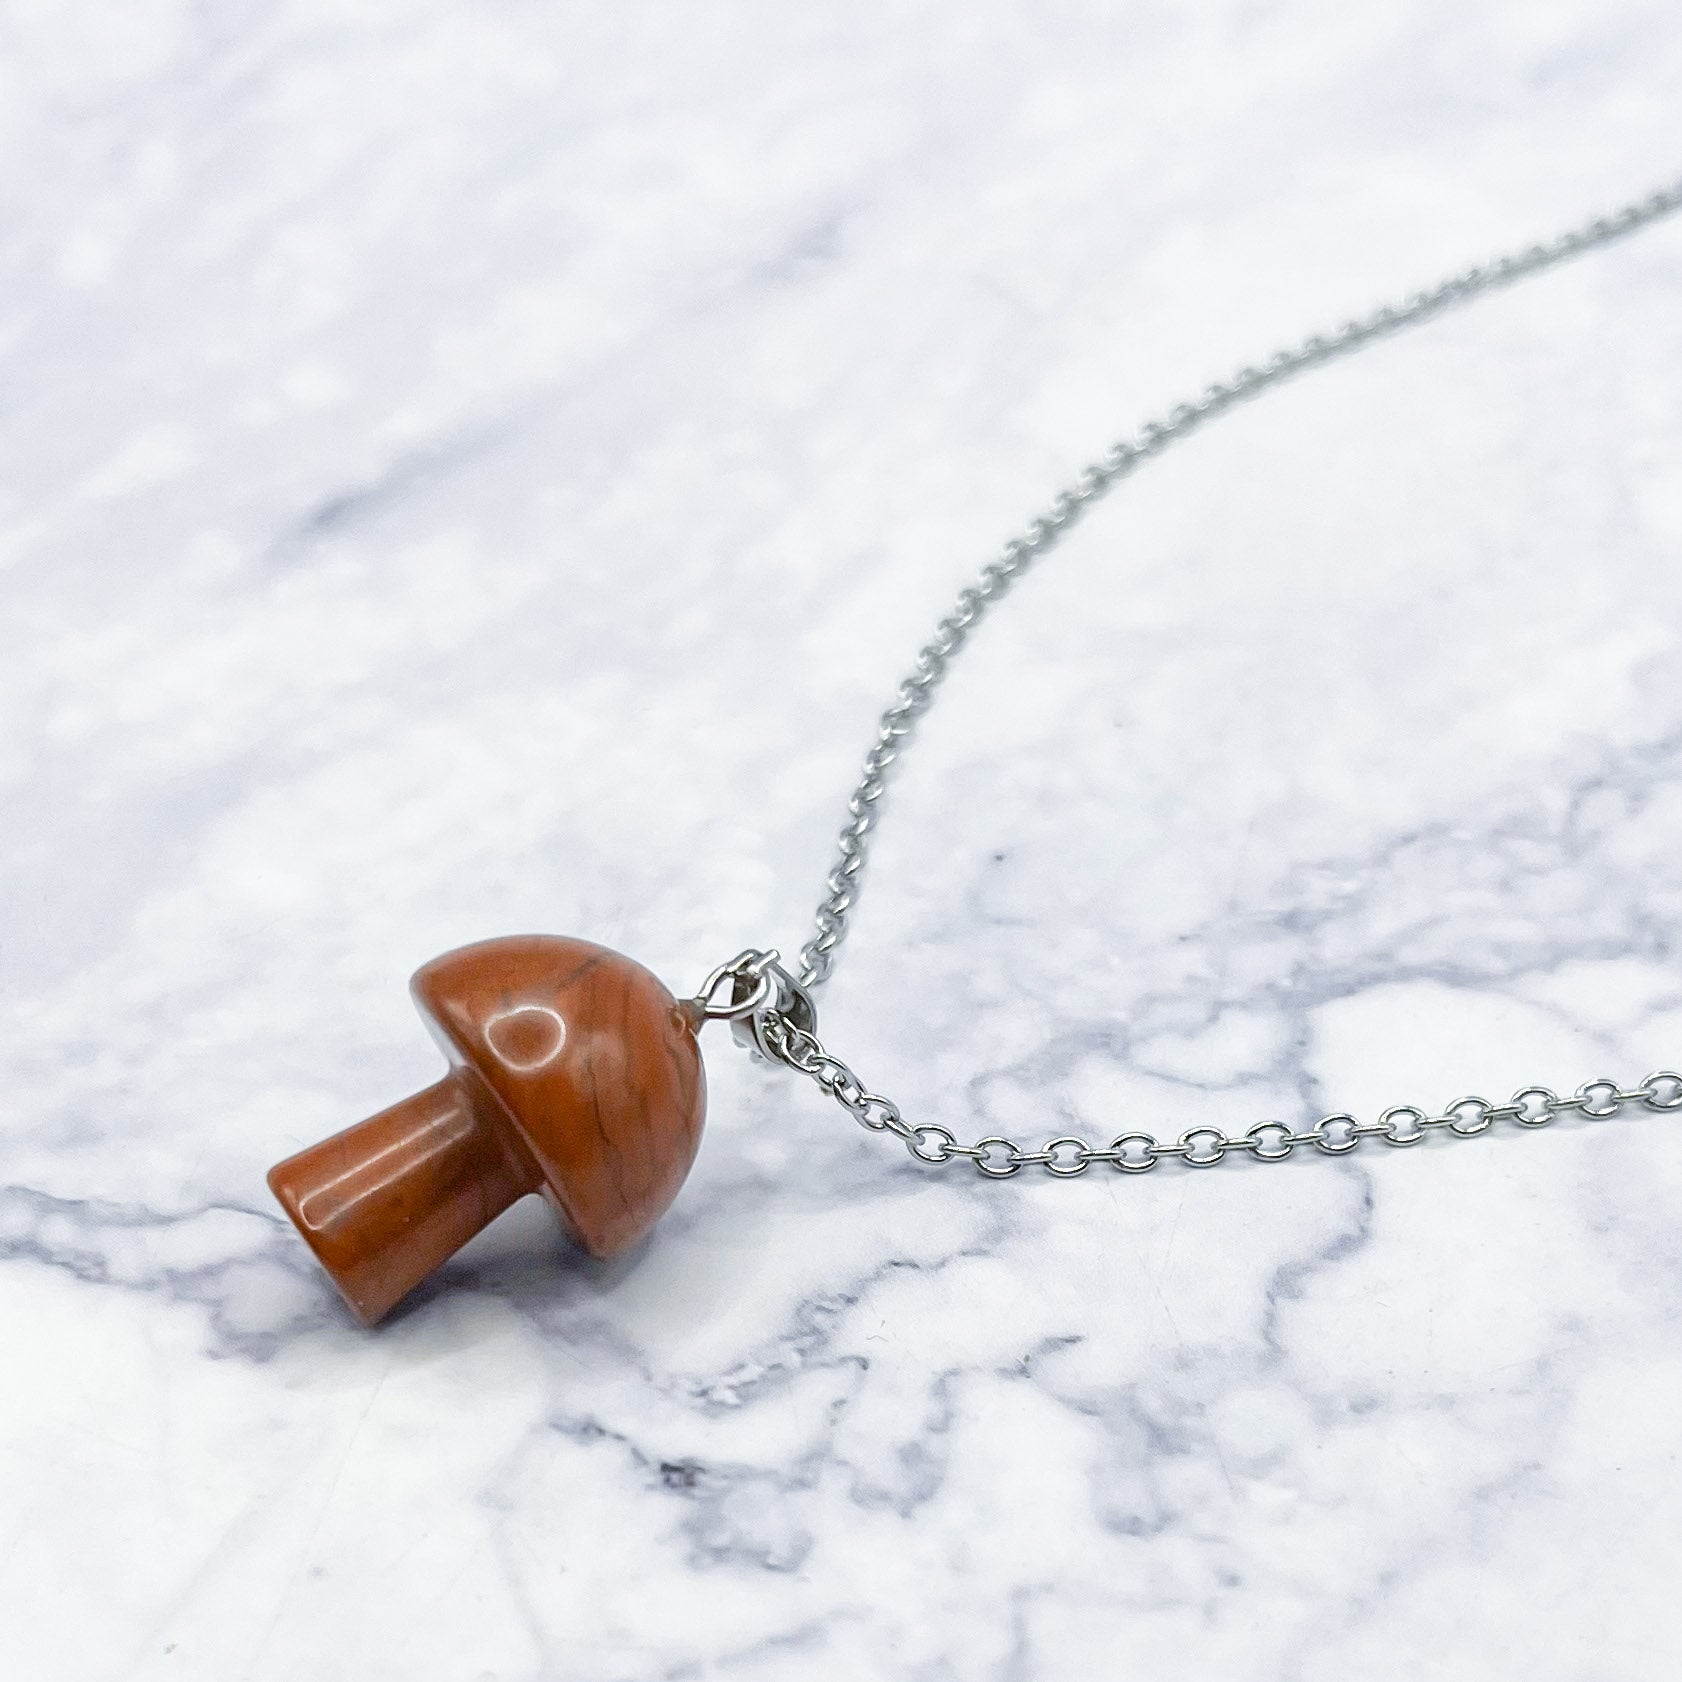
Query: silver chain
916 691
772 1014
772 1009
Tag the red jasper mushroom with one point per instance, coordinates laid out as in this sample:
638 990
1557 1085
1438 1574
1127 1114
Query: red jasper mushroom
572 1072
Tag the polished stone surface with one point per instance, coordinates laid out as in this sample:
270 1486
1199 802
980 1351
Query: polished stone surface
385 1203
574 1072
481 468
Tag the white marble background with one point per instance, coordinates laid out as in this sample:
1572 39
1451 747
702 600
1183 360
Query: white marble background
472 468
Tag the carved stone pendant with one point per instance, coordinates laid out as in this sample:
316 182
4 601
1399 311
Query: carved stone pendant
573 1072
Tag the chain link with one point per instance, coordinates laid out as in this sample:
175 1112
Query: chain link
916 690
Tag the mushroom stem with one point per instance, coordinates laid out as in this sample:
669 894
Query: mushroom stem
385 1202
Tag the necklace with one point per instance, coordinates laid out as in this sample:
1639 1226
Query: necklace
574 1072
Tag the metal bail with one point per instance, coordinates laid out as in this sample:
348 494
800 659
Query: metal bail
787 1000
750 992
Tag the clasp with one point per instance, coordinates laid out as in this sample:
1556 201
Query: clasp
749 992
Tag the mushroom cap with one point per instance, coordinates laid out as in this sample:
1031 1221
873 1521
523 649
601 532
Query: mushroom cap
591 1061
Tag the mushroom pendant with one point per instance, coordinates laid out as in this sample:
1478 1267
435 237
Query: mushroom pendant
573 1072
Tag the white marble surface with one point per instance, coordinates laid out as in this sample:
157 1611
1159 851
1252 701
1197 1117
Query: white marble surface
478 468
